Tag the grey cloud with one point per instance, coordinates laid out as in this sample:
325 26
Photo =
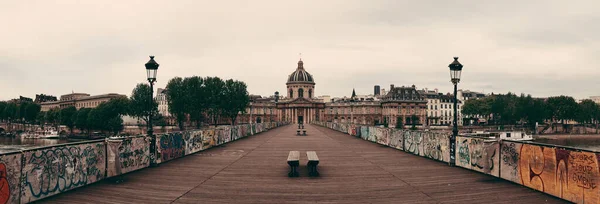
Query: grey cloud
538 47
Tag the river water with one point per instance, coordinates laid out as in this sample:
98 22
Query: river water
8 144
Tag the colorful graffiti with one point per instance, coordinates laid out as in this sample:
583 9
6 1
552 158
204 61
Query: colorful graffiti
412 142
10 178
38 173
54 170
193 142
171 146
569 174
396 139
128 154
435 146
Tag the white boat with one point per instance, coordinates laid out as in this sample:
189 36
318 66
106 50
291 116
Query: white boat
41 134
503 135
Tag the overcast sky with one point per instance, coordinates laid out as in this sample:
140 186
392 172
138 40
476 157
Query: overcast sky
543 48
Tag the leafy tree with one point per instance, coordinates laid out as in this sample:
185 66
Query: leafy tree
31 112
215 97
3 105
176 97
236 99
41 119
587 111
53 117
81 119
142 103
562 108
66 117
399 124
196 97
107 115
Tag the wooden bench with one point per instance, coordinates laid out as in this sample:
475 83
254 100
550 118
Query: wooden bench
313 161
304 132
294 161
298 132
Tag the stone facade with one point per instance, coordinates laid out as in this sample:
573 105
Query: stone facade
79 100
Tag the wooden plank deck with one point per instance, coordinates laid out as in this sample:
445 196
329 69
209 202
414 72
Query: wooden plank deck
254 170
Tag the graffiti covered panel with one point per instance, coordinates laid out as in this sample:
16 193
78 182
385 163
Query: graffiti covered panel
412 142
58 169
193 141
170 146
436 146
396 139
127 155
10 175
485 156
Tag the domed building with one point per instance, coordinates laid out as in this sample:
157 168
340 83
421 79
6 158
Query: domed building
300 106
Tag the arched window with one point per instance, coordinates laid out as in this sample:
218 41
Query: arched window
291 93
300 93
309 93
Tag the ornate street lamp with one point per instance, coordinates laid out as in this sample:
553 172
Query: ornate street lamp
455 71
151 69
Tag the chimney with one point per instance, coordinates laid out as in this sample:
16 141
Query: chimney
377 90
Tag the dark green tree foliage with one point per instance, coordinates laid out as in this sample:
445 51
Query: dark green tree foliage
399 124
196 97
81 119
176 97
66 117
142 103
31 112
215 96
53 117
236 99
562 107
3 105
107 116
588 112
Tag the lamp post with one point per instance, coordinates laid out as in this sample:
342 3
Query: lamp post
151 69
455 70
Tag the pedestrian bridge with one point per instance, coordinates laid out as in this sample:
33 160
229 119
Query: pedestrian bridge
254 170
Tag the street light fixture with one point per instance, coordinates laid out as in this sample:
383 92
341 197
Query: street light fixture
151 69
455 71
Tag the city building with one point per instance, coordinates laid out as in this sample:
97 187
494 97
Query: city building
40 98
300 106
433 114
377 90
404 105
79 100
447 110
467 95
163 104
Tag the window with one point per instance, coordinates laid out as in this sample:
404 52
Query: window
300 93
291 93
309 93
508 134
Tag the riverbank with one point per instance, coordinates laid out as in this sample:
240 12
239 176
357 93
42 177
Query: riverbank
587 141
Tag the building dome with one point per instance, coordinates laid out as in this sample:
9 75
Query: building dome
300 75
